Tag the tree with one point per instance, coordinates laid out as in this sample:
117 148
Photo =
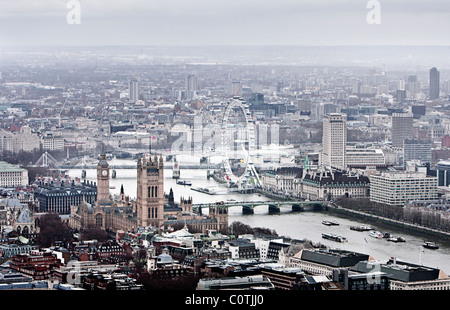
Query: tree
140 260
94 232
239 228
265 231
52 229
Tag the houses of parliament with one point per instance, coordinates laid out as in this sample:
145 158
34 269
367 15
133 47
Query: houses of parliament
152 207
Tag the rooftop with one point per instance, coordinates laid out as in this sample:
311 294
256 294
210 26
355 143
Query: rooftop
334 258
397 270
7 167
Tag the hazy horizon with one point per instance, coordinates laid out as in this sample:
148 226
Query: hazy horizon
229 23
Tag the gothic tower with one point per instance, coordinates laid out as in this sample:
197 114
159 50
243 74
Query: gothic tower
102 179
219 213
150 191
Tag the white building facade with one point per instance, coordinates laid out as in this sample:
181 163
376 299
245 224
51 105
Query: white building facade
397 188
334 140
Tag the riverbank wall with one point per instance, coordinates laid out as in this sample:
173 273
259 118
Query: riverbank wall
371 218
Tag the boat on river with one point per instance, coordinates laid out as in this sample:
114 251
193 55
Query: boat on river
376 234
330 223
430 245
396 239
334 237
184 182
361 228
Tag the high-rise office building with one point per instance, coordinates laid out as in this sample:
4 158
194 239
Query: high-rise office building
412 86
443 173
191 86
234 88
402 128
434 84
414 149
334 140
134 90
191 82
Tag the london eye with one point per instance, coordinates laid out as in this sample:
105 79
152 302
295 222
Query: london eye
238 141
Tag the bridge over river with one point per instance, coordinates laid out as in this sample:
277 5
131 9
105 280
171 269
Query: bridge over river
274 206
132 167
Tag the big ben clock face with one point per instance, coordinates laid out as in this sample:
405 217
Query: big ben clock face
104 173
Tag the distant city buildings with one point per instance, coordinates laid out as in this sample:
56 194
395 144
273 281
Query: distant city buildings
23 141
345 132
52 142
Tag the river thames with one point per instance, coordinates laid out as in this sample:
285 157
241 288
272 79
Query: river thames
297 225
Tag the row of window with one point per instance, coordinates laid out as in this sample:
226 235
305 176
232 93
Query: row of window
152 213
152 191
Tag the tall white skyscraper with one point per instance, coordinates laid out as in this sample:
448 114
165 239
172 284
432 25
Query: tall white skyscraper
334 140
134 90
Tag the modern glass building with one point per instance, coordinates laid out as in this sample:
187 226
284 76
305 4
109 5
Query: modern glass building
414 149
443 173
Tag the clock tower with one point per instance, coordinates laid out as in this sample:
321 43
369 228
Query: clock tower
102 179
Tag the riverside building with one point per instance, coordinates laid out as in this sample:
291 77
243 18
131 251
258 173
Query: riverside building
395 188
12 175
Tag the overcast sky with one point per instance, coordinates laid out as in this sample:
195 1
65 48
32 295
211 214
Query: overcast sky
224 22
